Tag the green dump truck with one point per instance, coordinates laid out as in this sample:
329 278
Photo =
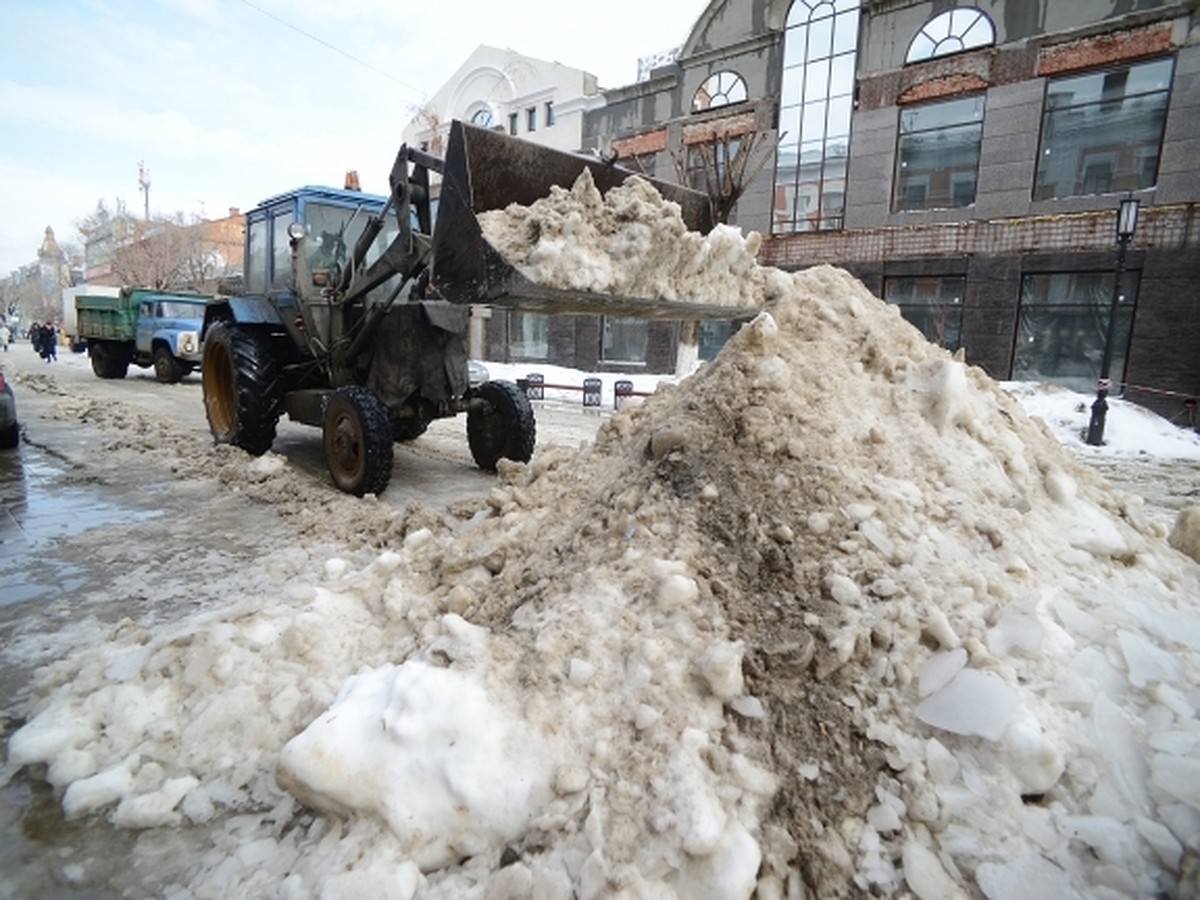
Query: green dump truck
142 327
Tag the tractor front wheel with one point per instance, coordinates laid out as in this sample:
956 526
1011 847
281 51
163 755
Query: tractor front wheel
241 381
358 441
500 424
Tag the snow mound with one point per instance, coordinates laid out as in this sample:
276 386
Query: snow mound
831 617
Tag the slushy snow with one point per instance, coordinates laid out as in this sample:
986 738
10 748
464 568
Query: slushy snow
832 616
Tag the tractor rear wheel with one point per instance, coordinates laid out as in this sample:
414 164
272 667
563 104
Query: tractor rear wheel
358 441
243 394
500 424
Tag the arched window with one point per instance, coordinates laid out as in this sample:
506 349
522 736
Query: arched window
816 100
482 117
953 31
719 89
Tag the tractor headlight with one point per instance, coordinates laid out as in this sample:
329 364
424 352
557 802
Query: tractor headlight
295 231
189 341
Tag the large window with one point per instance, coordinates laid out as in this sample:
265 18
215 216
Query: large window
816 99
1101 132
937 157
624 340
932 303
1063 324
528 335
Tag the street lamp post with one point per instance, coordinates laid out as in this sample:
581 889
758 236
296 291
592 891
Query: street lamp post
1126 225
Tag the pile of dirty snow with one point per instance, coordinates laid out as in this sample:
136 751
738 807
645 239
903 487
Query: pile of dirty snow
629 242
832 616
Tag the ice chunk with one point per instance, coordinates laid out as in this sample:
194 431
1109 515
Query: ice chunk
936 672
730 870
926 876
973 703
98 791
1147 662
1178 776
427 750
1022 878
721 668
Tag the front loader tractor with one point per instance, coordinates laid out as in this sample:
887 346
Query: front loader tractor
353 312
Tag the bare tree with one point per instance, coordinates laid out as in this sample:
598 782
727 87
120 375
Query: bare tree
725 165
168 252
722 165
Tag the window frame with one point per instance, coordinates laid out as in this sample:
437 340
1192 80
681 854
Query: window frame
927 177
1083 364
1136 177
816 105
925 323
914 56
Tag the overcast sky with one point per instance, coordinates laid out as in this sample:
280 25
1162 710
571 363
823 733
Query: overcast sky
231 101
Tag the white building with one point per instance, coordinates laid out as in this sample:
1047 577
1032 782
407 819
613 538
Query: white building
529 98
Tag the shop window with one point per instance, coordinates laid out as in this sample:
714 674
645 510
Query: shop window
719 89
528 335
816 103
624 340
937 156
1062 326
932 303
713 335
953 31
1101 131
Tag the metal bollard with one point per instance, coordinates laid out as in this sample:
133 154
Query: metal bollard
622 390
591 391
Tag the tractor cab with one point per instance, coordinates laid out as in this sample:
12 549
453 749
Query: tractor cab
298 248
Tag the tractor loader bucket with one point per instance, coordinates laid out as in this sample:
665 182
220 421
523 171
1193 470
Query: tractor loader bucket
486 170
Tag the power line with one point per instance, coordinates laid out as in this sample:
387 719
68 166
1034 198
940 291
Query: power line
325 43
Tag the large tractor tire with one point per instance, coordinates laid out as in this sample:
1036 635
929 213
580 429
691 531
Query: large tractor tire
243 395
500 424
358 441
108 361
167 368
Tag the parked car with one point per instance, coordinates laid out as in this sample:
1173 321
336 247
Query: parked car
10 430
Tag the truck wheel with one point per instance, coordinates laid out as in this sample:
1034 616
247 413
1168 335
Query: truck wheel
108 362
242 390
500 424
166 367
358 441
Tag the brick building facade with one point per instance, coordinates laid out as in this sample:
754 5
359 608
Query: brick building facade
966 162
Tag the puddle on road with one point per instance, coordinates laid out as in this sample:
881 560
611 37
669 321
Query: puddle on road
39 505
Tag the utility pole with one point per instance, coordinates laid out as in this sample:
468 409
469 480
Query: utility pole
144 186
